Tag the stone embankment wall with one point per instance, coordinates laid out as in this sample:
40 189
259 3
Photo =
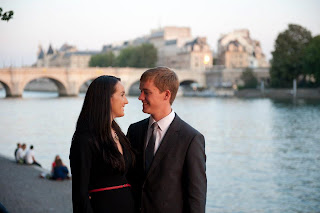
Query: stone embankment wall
278 93
47 85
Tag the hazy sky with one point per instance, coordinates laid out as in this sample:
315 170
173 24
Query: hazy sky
91 24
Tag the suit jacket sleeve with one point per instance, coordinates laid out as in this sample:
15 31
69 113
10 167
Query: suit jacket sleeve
196 180
80 163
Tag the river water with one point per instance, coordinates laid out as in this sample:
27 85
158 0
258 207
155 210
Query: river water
262 155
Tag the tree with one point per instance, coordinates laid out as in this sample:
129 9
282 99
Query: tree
249 78
6 16
102 60
126 58
147 56
311 61
141 56
287 58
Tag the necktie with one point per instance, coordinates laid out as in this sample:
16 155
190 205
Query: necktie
150 146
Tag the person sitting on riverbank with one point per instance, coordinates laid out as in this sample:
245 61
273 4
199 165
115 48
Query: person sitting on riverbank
54 163
29 158
21 154
60 171
16 150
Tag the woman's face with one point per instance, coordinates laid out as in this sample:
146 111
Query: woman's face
118 101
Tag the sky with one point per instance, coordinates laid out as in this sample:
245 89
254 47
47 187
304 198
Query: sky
90 24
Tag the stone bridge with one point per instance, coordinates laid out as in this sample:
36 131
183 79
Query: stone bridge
69 80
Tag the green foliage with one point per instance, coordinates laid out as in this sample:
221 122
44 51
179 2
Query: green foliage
141 56
126 57
249 78
102 60
287 58
6 16
311 65
148 55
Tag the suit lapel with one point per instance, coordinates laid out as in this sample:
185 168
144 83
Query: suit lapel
144 134
169 141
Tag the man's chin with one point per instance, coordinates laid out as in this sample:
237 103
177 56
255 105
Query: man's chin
145 110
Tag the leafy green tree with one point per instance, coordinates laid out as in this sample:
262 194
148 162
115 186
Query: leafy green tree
287 58
249 78
102 60
6 16
311 60
126 58
141 56
147 56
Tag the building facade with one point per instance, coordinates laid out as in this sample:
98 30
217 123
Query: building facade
66 56
176 48
238 50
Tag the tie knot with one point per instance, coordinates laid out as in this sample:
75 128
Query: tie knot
154 126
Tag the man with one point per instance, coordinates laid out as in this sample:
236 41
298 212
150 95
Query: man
172 178
29 158
21 153
16 150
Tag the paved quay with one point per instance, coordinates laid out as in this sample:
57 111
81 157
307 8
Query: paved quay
22 190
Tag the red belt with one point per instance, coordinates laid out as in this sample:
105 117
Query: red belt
110 188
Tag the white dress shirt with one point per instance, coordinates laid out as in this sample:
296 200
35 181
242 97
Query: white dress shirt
163 124
29 156
20 154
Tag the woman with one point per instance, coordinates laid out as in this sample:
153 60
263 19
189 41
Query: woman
60 171
54 163
100 153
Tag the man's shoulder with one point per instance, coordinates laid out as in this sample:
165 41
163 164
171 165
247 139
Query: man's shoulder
186 127
139 123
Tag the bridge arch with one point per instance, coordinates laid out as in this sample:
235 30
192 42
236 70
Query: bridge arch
6 87
62 90
133 89
85 83
187 82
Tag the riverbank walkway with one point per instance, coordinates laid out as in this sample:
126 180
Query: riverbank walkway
22 190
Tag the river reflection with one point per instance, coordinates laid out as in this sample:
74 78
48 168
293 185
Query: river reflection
262 155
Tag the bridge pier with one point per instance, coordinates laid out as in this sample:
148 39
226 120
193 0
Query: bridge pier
13 96
68 95
14 91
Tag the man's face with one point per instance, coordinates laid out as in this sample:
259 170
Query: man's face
151 97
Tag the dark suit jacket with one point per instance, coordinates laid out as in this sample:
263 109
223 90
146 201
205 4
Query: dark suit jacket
176 181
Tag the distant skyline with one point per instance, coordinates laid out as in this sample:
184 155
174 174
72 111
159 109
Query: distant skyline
89 25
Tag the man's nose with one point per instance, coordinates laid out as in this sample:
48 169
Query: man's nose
141 97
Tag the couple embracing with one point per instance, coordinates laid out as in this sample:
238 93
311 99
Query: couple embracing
158 166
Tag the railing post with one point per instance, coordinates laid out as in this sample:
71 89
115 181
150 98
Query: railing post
294 88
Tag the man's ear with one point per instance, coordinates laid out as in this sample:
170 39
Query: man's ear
167 95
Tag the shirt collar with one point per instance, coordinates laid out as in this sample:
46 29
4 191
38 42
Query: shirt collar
165 122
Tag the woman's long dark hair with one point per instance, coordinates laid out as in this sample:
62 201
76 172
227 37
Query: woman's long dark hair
95 115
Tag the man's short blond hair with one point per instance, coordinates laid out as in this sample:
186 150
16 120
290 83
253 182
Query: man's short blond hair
164 79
